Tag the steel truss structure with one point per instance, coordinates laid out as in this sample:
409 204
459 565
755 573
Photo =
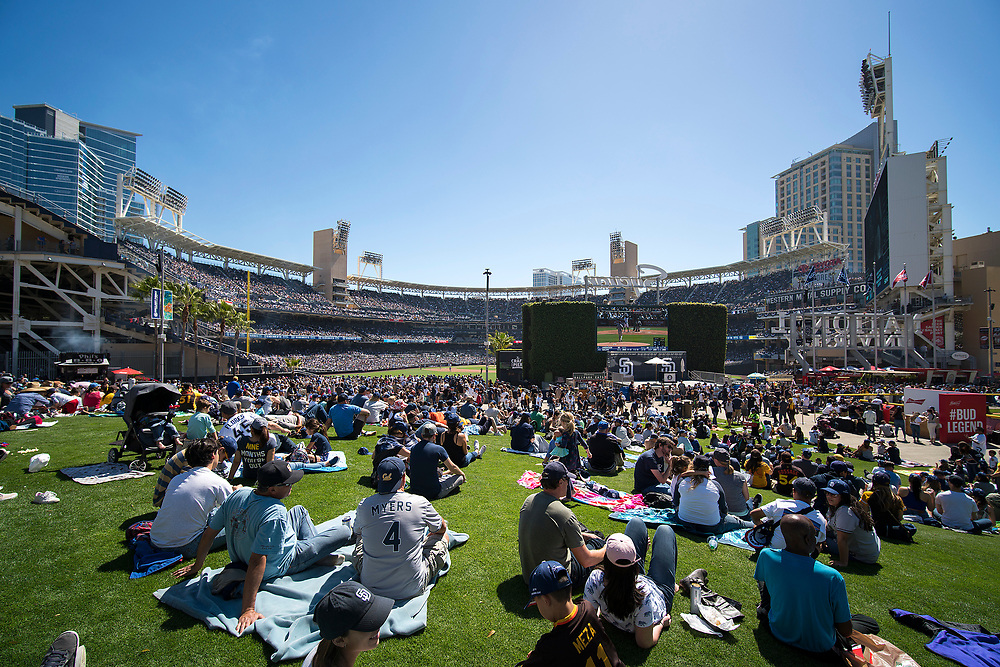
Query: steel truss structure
57 299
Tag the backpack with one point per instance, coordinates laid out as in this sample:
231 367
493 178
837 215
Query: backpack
760 536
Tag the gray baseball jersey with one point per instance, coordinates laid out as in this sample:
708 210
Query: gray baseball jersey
393 527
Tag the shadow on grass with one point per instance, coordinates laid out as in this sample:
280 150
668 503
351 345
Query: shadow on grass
148 516
366 481
178 620
778 654
864 569
122 563
513 595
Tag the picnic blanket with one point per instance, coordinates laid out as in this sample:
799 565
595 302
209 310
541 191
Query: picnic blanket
287 604
733 538
147 559
32 427
581 494
99 473
537 455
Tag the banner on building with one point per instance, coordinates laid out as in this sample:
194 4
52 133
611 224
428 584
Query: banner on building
633 363
933 330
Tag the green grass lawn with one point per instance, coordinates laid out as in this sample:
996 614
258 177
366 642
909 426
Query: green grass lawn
65 567
605 335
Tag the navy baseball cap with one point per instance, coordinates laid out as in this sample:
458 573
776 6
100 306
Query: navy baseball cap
228 443
258 424
350 606
277 473
603 425
805 486
452 418
839 487
839 467
390 474
548 577
881 477
554 471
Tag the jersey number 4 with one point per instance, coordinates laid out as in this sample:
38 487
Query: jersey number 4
391 538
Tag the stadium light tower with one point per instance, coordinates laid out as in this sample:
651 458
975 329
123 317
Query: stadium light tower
340 238
370 259
876 100
617 248
584 267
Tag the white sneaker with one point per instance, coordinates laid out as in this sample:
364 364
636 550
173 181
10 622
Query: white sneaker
7 496
476 443
45 498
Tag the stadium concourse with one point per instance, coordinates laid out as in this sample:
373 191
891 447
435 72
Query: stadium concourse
383 329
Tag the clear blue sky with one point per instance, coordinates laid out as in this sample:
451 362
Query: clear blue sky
512 135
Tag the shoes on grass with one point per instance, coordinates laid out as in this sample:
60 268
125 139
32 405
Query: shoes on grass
45 498
7 496
66 651
482 450
4 453
757 500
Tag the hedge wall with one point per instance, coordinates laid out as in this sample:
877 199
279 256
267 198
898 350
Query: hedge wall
700 330
560 338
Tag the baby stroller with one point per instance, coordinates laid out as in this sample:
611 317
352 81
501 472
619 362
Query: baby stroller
147 415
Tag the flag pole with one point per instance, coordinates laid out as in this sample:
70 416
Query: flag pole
847 323
875 313
906 321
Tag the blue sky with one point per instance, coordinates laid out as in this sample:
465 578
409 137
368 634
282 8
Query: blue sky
463 135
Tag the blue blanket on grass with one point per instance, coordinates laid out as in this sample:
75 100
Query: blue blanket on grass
287 604
650 515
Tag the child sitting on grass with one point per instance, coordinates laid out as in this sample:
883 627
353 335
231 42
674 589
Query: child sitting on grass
318 450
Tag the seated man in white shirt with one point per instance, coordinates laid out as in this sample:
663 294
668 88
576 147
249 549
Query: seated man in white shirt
957 509
191 498
803 492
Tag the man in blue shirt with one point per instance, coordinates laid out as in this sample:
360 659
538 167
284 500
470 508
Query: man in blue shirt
348 420
234 388
269 539
424 459
803 602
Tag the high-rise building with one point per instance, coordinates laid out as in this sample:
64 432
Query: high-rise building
550 277
68 165
839 181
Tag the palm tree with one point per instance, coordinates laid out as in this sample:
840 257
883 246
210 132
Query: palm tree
145 287
292 363
241 323
186 300
202 310
223 314
497 341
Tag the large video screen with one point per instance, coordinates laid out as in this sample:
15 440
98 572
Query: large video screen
877 234
631 326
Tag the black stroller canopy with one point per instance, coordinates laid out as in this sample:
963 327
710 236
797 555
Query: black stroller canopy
149 397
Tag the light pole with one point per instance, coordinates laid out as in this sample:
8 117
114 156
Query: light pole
989 325
487 273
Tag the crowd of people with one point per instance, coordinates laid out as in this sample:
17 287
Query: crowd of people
240 434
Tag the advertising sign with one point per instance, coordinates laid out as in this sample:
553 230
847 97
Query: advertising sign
984 338
918 400
633 363
933 330
168 305
154 304
961 414
510 366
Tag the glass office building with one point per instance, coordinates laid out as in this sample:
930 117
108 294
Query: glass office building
67 165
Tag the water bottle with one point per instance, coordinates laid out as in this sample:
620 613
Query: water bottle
713 543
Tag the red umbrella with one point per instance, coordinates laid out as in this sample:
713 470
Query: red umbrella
830 368
127 371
